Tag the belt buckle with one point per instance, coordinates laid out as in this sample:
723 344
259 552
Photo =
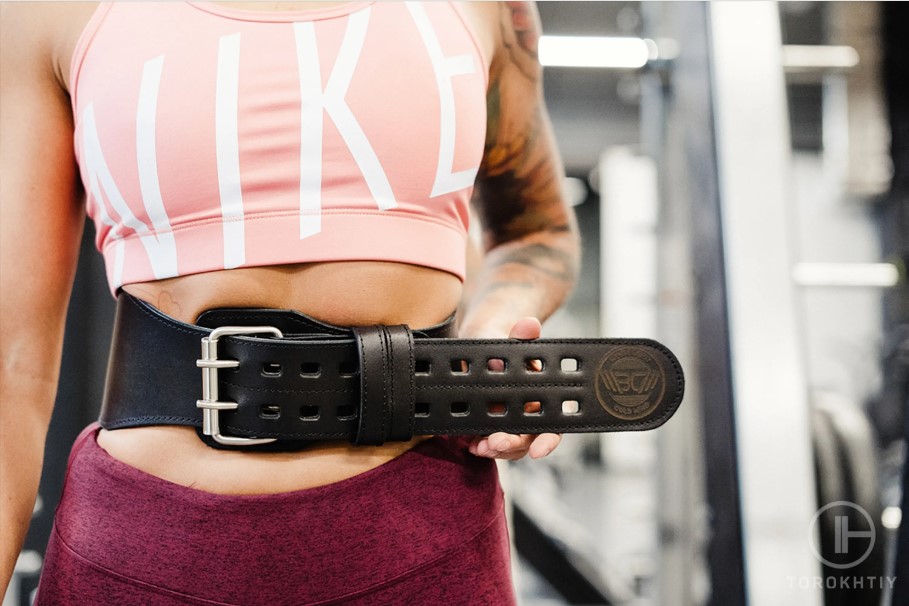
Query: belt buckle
210 364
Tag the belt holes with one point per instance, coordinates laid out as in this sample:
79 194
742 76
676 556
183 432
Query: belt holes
533 409
346 412
534 365
310 370
571 407
496 365
309 412
570 365
496 409
271 369
347 369
460 409
422 367
460 366
269 411
421 409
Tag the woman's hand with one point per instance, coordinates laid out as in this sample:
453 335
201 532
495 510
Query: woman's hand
509 446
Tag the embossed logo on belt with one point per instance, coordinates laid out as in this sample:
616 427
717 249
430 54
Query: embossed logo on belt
630 383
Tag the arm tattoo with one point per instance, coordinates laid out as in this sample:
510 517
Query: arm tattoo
545 259
488 288
528 230
504 216
520 32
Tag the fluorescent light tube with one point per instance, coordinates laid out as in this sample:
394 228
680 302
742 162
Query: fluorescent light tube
797 57
880 275
593 51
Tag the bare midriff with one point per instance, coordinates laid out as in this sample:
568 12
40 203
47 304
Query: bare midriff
343 293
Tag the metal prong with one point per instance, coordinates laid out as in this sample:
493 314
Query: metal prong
215 405
217 363
237 441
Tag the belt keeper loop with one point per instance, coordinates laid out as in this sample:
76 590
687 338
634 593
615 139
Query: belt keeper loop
401 420
386 384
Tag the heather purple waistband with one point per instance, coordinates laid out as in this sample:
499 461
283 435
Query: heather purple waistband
325 542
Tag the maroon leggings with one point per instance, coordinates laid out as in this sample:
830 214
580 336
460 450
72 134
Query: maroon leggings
425 528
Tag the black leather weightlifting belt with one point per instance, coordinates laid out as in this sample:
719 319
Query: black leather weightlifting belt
252 376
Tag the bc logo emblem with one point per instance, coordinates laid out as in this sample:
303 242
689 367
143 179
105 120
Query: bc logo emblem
630 383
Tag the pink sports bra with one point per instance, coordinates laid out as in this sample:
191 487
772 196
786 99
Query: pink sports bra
211 138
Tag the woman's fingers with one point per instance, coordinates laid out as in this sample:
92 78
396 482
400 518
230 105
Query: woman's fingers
543 444
507 446
512 447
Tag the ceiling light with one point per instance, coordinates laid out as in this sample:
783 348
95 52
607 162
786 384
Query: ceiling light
593 51
881 275
797 57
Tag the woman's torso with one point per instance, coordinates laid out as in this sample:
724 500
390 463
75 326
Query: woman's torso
333 292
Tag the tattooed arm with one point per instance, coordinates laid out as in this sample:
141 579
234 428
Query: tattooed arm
529 233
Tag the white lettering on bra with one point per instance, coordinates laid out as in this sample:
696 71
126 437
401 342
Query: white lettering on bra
116 277
160 247
162 250
445 68
332 99
227 151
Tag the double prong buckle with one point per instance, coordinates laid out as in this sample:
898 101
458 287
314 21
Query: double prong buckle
210 364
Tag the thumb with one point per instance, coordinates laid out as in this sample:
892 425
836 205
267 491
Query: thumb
526 328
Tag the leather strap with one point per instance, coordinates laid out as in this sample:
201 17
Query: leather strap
386 384
371 384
